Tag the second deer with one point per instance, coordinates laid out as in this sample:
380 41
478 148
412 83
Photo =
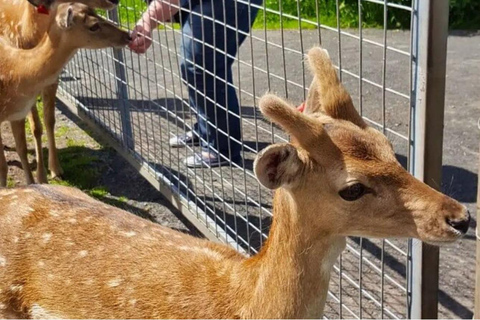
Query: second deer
66 255
24 27
25 73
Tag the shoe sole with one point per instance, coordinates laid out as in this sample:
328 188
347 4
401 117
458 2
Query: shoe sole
206 165
195 144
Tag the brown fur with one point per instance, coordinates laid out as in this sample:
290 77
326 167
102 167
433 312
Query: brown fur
63 254
23 27
21 83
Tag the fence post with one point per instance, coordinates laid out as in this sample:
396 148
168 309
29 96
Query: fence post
429 53
122 90
476 311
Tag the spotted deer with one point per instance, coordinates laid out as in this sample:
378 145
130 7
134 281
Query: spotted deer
66 255
25 73
23 26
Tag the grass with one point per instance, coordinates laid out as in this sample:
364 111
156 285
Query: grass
464 14
10 182
83 162
131 10
83 168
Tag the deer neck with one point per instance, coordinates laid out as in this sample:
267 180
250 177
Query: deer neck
33 25
293 269
46 60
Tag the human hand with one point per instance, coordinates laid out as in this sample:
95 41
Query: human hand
141 39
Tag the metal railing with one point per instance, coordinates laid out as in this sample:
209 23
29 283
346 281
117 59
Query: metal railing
139 102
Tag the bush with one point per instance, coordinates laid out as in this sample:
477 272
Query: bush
464 14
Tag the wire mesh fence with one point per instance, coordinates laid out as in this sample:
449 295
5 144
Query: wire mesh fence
143 101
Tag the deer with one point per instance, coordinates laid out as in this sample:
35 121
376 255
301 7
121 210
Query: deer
24 26
66 255
74 26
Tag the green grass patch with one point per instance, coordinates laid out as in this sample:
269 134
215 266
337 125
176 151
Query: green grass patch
61 131
464 14
99 192
83 168
10 182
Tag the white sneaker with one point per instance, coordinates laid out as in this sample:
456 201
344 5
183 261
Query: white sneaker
182 140
205 160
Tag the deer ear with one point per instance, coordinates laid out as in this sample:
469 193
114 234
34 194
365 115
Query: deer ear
66 20
278 165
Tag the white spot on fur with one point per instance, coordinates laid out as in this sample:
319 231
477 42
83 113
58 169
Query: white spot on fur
16 288
129 234
54 213
205 251
37 312
211 253
14 196
83 253
7 192
27 235
3 306
114 282
3 261
72 220
15 239
132 302
41 264
46 237
149 238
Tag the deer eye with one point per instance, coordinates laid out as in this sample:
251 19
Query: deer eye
95 27
353 192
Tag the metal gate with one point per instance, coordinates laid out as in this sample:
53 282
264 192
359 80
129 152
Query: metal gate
138 102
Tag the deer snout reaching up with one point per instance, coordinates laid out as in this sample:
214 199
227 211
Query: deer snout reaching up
91 31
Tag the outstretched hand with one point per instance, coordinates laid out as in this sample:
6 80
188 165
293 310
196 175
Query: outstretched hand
141 39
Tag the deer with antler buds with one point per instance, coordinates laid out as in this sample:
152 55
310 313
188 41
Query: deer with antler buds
64 254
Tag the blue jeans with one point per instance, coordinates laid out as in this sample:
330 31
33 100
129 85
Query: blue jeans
207 71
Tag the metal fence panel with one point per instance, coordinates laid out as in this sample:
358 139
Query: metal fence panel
139 102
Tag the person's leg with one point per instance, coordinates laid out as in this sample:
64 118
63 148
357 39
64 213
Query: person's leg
188 69
239 18
208 70
198 69
193 69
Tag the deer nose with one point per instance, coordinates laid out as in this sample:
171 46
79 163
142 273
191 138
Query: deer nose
460 225
114 1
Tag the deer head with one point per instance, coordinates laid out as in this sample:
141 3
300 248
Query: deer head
90 31
344 176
